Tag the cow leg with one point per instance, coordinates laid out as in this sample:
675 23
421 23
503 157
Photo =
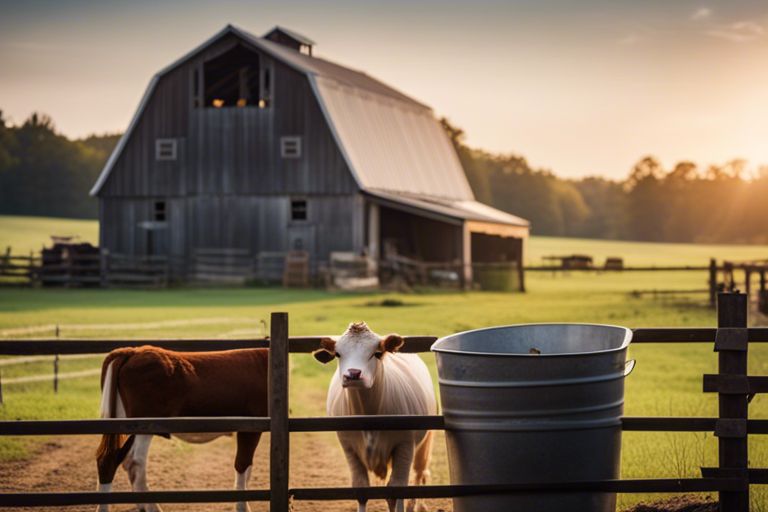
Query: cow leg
359 474
402 458
137 470
108 457
246 445
421 470
127 463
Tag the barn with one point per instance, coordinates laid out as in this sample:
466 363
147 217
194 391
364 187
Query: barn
252 147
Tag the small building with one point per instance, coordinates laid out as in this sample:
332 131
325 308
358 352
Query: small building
254 145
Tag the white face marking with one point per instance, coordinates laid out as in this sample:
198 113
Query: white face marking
356 350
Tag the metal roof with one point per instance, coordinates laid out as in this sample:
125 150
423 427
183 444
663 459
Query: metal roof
390 145
317 66
453 209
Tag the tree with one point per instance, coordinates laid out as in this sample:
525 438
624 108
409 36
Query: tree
44 173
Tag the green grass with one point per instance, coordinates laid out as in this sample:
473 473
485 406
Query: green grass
666 381
25 234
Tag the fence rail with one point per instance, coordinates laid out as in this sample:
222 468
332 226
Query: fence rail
731 479
204 424
306 344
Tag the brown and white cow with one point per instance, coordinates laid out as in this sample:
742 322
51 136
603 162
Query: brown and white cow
153 382
374 378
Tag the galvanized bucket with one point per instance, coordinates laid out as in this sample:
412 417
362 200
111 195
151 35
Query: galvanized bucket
531 404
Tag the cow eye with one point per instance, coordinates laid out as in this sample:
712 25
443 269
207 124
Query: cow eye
378 355
338 355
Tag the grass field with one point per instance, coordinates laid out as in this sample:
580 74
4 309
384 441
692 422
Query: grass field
666 381
24 234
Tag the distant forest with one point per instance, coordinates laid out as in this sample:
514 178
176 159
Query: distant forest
44 173
717 204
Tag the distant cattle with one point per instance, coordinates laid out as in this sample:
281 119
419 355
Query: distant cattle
153 382
373 378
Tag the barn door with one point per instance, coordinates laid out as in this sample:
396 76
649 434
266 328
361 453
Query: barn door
155 230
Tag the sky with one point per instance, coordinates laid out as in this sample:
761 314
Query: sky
580 88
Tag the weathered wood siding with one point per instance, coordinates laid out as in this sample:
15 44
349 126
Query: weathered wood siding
229 186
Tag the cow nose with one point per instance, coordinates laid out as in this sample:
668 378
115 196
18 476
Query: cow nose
354 374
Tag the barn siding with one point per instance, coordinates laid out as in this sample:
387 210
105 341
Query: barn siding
254 223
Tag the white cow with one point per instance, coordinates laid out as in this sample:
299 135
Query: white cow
373 378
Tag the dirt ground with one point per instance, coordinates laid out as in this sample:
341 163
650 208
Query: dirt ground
67 464
678 504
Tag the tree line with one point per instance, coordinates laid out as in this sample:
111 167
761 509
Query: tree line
44 173
716 204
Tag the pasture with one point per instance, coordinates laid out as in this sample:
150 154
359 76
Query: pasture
666 381
26 234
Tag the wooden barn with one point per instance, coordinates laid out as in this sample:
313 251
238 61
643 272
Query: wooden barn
251 147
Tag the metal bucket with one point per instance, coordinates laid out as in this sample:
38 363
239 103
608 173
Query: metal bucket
531 404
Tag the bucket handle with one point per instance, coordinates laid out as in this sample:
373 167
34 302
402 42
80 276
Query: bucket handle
629 366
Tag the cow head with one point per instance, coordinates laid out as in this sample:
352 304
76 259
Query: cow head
359 351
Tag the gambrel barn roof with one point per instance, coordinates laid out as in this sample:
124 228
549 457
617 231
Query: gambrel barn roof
393 145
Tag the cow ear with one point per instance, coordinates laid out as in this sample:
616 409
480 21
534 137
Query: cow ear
323 356
391 343
326 352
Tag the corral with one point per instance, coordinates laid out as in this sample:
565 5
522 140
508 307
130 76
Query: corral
731 426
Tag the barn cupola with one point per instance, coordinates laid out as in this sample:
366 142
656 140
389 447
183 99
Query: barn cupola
290 39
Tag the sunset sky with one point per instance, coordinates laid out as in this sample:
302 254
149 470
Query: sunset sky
580 88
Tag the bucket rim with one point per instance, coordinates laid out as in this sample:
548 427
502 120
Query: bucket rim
624 344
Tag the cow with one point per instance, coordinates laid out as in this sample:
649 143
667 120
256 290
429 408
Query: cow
374 378
153 382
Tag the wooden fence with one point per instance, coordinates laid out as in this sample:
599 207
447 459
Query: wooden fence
16 270
731 479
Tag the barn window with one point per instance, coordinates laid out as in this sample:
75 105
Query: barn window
165 149
298 209
159 213
290 147
232 79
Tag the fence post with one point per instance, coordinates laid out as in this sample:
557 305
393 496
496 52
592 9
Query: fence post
712 282
104 267
56 366
733 408
278 413
748 282
56 373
